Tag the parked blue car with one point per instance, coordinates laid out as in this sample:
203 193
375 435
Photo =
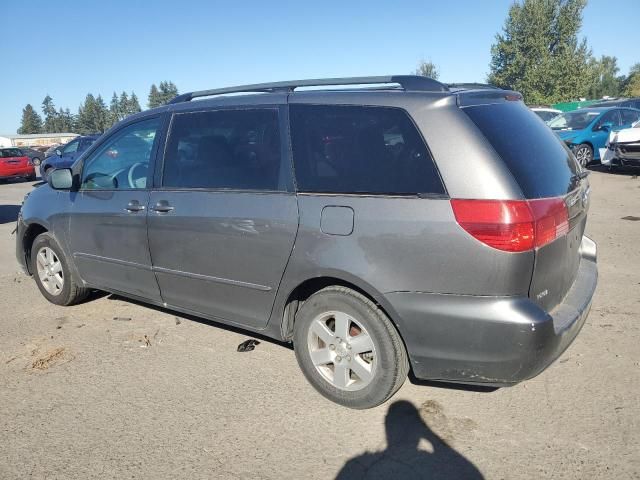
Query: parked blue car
65 155
586 130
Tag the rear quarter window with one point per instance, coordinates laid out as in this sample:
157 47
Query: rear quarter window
539 161
360 149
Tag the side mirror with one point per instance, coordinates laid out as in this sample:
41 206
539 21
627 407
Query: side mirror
58 152
61 179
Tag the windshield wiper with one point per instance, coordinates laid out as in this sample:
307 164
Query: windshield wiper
579 176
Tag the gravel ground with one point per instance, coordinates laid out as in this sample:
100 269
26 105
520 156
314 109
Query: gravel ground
114 389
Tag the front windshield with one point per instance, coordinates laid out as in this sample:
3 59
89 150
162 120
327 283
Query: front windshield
576 120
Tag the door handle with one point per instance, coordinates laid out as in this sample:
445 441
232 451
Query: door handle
134 206
162 207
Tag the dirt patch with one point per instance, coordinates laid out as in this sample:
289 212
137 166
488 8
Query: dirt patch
52 357
448 428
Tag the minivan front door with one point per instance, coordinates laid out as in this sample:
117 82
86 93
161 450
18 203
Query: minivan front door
223 221
108 225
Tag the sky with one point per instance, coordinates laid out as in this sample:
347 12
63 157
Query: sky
68 48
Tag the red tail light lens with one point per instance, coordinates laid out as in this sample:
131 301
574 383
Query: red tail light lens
513 225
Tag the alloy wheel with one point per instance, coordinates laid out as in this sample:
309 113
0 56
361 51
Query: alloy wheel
342 351
50 271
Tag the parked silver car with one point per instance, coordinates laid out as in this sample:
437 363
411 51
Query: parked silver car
412 226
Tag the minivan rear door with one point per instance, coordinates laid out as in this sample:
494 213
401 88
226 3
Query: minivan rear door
543 167
223 217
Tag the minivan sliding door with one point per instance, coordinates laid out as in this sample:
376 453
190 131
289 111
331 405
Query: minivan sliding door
223 220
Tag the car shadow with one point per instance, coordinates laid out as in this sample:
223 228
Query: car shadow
9 213
403 459
450 386
204 321
620 170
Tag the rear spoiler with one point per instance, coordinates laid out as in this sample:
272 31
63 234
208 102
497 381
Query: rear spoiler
484 96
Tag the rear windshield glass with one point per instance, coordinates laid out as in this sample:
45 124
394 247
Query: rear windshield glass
537 158
10 152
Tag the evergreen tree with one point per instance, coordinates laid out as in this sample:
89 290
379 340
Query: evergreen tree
124 104
89 116
154 97
427 69
539 54
134 105
101 115
31 121
167 91
64 121
50 115
114 110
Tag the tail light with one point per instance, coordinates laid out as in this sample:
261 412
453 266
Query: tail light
513 225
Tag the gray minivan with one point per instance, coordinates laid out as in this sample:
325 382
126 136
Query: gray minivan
394 224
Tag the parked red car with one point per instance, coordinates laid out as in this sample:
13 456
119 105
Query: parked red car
14 164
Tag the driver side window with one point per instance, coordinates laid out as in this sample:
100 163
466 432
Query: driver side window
122 162
71 147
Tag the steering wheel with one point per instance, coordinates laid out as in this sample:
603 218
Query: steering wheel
130 179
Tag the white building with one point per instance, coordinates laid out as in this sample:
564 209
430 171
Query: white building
36 139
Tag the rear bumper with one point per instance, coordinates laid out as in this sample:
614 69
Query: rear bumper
495 341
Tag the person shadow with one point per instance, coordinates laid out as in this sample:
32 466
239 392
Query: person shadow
403 460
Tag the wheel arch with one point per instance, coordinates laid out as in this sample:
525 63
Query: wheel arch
30 234
307 287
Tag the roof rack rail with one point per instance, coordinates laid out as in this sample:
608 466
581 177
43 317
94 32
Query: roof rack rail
413 83
471 85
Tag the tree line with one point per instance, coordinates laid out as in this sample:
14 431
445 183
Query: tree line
93 116
540 55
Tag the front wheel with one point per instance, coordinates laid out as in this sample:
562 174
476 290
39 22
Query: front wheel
584 154
52 273
348 348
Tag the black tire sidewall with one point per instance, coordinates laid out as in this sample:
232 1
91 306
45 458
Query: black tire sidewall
47 240
377 325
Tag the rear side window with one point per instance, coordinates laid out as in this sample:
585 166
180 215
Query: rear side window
224 149
10 152
629 116
536 157
348 149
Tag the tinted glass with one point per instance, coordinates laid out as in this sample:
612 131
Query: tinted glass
629 116
538 159
546 116
122 162
612 117
230 149
10 152
71 147
576 120
344 149
85 143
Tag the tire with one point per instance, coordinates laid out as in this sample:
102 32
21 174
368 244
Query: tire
584 154
370 369
56 265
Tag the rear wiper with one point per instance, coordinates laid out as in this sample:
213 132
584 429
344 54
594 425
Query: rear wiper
579 176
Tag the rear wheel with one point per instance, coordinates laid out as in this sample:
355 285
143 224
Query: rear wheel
52 274
348 348
584 154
